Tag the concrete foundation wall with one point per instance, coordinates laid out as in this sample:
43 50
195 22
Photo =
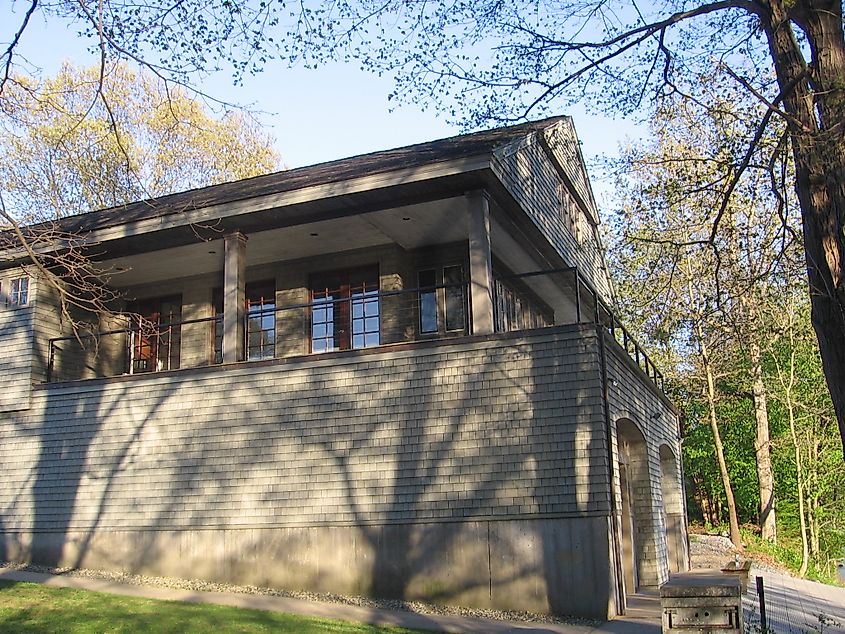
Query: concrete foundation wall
360 471
522 564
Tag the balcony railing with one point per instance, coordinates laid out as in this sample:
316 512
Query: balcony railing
590 308
360 320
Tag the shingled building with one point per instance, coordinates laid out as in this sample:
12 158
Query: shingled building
396 374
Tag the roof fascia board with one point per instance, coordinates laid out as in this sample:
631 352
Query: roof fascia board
267 202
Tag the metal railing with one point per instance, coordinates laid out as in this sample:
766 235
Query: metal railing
363 320
590 308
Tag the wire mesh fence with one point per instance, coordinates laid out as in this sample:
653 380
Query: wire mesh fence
775 605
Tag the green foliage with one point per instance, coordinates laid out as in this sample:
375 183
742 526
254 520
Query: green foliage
29 608
685 294
81 141
787 552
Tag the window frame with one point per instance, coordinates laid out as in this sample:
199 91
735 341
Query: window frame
144 343
346 306
12 297
257 306
516 307
442 290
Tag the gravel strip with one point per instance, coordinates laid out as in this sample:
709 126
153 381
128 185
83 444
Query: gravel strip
382 604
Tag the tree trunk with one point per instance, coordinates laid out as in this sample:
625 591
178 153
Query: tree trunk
812 498
799 479
720 450
814 96
762 447
799 470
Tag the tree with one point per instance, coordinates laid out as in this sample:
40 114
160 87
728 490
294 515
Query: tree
719 298
101 137
749 308
809 476
74 143
675 293
503 61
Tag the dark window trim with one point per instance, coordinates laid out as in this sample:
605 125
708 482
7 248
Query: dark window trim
443 292
350 289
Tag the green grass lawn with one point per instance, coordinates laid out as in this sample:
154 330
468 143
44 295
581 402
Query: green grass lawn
31 607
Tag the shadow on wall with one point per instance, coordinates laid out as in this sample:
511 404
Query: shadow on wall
576 563
72 489
423 463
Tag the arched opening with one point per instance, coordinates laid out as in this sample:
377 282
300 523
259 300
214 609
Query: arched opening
673 505
629 561
639 562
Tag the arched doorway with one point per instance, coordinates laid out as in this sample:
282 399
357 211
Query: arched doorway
673 504
638 545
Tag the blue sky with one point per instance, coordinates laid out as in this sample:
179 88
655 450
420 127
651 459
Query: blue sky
315 115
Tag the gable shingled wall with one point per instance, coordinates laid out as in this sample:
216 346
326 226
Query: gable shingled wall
527 172
484 461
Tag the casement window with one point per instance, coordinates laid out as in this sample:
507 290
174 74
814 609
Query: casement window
260 321
345 311
15 292
260 310
155 336
442 299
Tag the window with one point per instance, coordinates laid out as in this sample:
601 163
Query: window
18 293
442 299
260 312
428 300
155 336
345 310
455 302
260 321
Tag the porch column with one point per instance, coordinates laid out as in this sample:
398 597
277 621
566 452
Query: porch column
233 297
480 264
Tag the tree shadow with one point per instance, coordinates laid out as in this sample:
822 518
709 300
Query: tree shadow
78 463
460 473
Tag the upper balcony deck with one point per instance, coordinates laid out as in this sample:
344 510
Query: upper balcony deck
344 314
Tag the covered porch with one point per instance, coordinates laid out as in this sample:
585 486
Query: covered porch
447 268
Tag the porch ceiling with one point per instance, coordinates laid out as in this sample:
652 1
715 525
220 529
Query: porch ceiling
409 226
